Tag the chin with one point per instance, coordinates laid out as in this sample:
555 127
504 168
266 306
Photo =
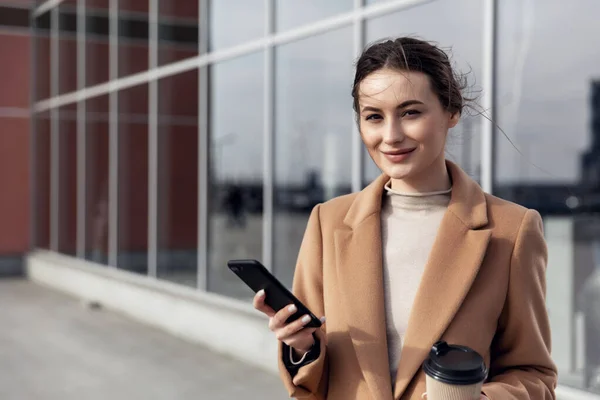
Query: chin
398 171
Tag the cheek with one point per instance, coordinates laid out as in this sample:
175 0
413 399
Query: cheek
369 136
428 133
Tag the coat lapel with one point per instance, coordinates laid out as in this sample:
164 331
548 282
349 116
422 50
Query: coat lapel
453 264
360 275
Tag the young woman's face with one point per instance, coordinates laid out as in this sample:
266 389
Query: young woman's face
404 125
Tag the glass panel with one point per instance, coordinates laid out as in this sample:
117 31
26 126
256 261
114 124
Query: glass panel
178 178
248 17
236 172
464 45
67 47
313 122
291 14
96 180
133 37
42 180
42 56
97 42
133 7
178 30
133 179
67 192
549 106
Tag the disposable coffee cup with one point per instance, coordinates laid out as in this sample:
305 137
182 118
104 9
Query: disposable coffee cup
454 373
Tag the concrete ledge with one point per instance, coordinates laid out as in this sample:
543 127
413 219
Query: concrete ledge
220 323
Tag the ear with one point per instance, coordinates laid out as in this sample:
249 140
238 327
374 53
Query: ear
454 118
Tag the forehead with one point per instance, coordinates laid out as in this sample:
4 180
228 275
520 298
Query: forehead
390 87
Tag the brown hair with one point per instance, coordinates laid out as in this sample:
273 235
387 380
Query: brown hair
410 54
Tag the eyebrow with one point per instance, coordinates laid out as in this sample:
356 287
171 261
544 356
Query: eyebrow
402 105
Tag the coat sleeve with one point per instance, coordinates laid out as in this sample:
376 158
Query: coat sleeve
521 366
310 381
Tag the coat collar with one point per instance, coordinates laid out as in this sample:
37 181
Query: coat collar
467 201
452 266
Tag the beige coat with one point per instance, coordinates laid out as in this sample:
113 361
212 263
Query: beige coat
483 287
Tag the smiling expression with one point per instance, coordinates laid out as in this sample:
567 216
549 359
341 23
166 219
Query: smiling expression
404 127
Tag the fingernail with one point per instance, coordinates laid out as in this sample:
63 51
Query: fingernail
322 319
292 308
306 319
261 292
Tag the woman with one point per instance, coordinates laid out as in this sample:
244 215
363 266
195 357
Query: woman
420 255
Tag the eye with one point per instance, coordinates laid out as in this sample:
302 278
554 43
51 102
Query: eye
409 113
372 117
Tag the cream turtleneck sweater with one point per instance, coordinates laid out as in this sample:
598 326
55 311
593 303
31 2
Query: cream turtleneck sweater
409 225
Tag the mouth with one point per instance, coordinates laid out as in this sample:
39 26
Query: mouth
399 152
398 156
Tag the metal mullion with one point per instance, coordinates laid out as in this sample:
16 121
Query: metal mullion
203 144
54 132
81 132
357 144
269 140
46 6
204 59
34 202
488 100
153 143
113 181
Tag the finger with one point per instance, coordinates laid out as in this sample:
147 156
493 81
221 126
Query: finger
292 328
278 321
259 303
300 339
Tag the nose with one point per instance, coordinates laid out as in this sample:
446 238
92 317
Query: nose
393 132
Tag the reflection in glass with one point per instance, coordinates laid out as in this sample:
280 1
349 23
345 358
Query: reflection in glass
463 45
549 106
42 181
67 189
133 37
236 169
247 16
96 179
133 179
97 42
67 48
178 178
313 125
42 57
178 30
292 14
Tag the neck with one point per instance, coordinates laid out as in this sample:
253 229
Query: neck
432 179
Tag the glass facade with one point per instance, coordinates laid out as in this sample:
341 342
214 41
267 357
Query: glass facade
548 94
171 136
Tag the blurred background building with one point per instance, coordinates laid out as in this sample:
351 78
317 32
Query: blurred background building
149 141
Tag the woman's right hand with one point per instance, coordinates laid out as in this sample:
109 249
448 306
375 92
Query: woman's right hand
293 334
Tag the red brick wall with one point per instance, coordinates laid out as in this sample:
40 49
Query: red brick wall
178 144
14 143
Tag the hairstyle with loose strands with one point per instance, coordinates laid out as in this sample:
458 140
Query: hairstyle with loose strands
414 55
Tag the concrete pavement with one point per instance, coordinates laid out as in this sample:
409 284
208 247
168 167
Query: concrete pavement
53 347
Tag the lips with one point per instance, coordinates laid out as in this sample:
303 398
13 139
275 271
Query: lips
398 156
399 152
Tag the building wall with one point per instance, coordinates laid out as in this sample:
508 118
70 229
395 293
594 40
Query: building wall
14 143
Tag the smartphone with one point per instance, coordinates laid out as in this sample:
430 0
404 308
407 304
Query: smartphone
277 296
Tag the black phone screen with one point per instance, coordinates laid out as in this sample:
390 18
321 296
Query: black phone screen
277 296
